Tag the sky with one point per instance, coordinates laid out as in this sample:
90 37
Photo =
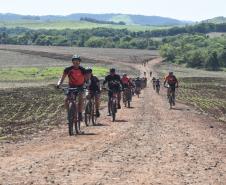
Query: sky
194 10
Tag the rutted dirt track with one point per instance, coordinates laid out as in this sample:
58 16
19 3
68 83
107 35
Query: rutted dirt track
149 144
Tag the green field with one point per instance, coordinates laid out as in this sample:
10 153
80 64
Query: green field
205 90
38 74
74 25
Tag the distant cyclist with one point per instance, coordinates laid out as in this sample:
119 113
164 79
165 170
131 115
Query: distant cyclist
114 84
77 77
172 82
157 85
153 82
94 89
138 83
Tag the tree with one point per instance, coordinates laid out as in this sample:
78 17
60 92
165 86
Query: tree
213 63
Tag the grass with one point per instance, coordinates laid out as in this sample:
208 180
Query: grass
74 25
18 74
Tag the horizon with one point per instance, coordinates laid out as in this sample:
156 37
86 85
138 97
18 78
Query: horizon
175 9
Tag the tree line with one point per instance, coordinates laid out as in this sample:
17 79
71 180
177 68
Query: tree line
97 37
87 19
195 50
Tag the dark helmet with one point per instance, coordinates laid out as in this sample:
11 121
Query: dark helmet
89 70
112 70
76 57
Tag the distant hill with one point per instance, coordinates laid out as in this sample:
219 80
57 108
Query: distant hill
216 20
128 19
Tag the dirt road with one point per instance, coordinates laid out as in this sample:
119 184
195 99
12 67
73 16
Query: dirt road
149 144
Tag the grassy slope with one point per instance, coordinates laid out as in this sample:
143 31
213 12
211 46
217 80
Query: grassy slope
74 25
41 74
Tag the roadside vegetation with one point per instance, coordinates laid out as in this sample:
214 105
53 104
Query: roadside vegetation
196 51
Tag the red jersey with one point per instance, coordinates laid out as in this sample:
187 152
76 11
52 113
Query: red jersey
76 76
171 80
125 80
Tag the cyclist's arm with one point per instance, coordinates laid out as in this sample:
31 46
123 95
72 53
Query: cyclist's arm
61 80
177 83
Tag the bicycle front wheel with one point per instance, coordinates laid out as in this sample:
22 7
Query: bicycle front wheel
71 118
113 110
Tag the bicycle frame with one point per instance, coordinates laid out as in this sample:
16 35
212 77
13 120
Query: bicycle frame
90 112
72 94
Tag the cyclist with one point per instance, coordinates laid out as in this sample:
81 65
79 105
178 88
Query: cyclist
153 82
145 80
77 77
157 83
150 73
145 74
172 82
127 83
138 83
94 89
114 84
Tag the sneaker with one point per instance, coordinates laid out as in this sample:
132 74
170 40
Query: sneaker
97 113
80 117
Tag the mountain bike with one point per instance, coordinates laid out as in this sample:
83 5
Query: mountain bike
73 114
112 104
90 110
137 91
170 96
127 97
157 89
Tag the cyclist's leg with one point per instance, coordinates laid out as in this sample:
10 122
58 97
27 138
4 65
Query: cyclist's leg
66 104
168 92
110 94
97 104
173 92
119 99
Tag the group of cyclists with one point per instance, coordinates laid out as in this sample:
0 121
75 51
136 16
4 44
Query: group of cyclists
170 82
79 77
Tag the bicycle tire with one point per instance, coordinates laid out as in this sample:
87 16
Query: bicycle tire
71 118
128 104
93 115
87 114
113 111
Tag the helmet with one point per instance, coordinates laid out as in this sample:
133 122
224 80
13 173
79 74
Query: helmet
76 57
124 74
112 70
89 70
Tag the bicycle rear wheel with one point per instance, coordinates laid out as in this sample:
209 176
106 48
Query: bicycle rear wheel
113 110
71 118
77 123
88 111
171 101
